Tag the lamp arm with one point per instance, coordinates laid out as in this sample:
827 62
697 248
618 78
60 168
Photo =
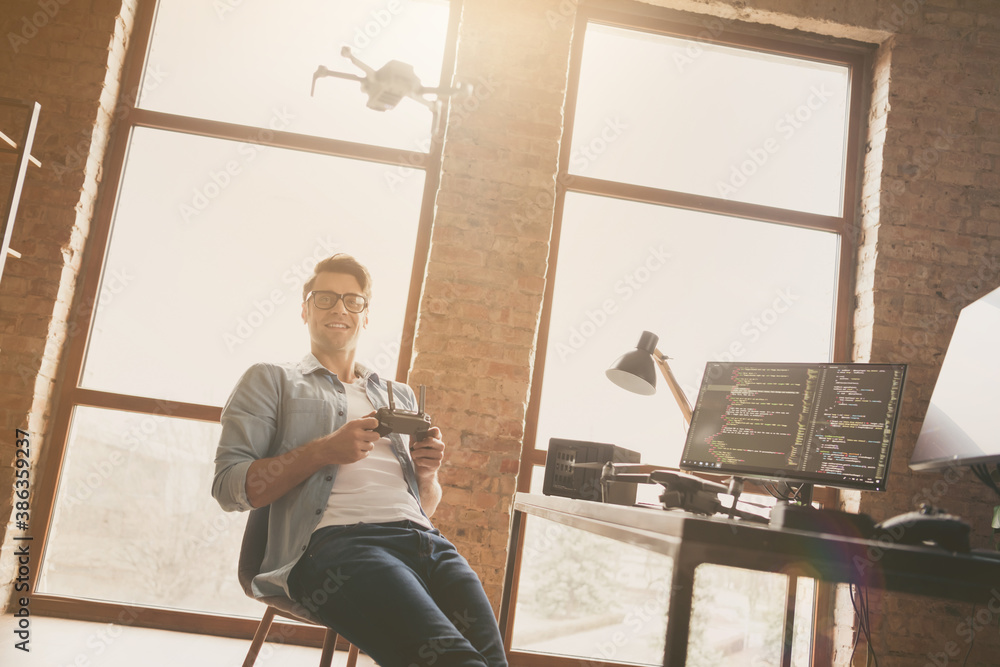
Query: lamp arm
675 387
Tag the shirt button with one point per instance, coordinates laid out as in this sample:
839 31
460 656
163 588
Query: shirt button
329 478
341 413
303 547
319 511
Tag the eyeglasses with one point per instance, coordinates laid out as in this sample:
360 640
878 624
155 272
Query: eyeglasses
354 303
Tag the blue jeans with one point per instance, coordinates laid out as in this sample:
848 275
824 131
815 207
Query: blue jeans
399 592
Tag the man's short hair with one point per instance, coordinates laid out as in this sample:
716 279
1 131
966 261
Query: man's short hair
341 263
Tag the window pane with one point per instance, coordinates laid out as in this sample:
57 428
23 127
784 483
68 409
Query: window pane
589 596
802 635
252 64
711 287
711 120
135 521
737 617
211 243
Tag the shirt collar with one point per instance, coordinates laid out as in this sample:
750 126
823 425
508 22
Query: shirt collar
310 364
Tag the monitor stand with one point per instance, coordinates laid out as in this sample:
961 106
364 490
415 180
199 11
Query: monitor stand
801 515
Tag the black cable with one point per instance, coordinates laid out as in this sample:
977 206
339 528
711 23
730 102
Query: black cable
861 611
868 624
780 495
857 633
869 651
982 471
972 640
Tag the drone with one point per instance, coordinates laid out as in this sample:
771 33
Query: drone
680 490
389 84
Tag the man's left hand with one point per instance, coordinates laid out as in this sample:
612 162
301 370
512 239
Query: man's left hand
428 453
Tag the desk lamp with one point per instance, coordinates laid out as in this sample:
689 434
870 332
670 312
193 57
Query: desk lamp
634 371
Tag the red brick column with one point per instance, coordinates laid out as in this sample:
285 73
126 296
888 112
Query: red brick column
483 291
66 55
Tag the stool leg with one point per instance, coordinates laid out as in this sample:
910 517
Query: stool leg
329 646
352 656
259 637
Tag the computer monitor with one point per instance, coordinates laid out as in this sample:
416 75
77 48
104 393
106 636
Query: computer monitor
961 426
824 424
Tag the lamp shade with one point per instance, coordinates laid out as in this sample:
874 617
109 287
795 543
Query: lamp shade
635 370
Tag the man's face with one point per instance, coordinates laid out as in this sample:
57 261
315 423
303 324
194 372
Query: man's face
334 330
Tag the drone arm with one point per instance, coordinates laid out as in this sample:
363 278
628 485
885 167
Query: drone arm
346 52
446 91
322 71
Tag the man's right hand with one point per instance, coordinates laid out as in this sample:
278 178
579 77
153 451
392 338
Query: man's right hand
350 443
271 478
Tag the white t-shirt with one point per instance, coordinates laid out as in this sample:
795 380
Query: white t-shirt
373 489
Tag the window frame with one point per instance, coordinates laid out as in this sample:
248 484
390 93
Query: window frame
70 394
634 16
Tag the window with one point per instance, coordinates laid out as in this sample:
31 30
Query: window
708 196
231 182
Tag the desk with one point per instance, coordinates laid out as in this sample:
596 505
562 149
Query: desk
691 540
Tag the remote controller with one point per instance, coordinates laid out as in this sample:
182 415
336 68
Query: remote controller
404 422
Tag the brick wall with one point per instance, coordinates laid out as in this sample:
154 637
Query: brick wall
483 291
928 241
66 55
934 243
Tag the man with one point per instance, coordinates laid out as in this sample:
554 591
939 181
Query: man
349 535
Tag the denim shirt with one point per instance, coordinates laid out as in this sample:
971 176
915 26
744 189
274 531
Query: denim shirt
274 409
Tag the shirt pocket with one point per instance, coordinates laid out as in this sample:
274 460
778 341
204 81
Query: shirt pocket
305 419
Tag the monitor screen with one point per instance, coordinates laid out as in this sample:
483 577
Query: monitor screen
961 423
827 424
